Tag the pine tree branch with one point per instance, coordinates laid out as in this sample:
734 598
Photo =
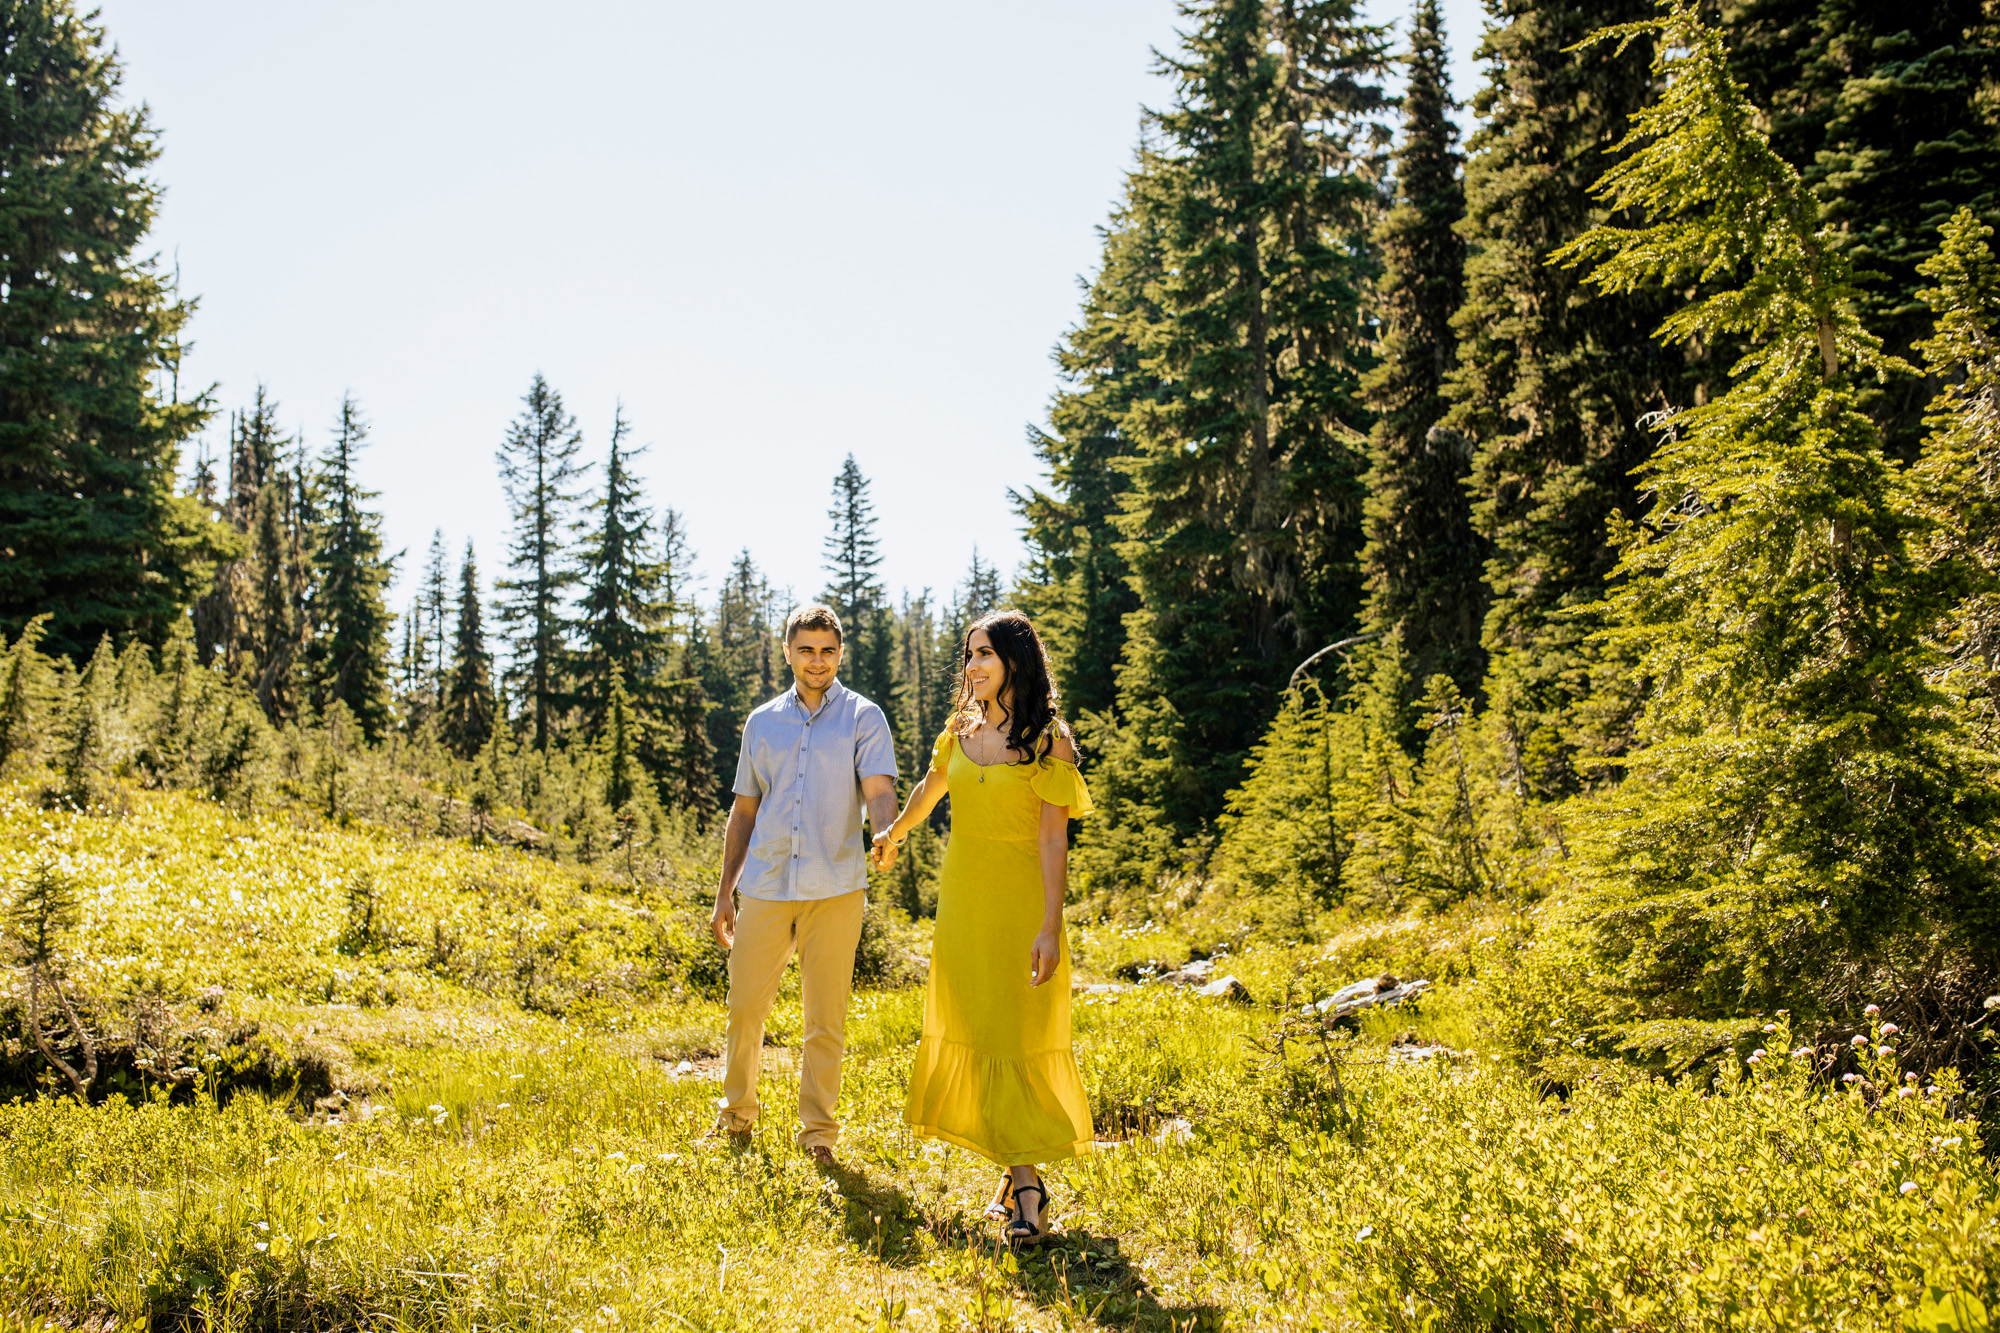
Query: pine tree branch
80 1082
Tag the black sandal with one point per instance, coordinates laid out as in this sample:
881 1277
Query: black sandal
1001 1209
1019 1233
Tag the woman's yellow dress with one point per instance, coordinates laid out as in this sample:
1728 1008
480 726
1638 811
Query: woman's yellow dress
995 1072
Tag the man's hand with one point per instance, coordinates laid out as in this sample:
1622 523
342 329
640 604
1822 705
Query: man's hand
883 854
723 924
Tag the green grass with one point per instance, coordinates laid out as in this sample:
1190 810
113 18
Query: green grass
509 1156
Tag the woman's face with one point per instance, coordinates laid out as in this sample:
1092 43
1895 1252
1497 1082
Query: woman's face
984 671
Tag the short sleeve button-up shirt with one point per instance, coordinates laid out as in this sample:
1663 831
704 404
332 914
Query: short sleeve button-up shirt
805 769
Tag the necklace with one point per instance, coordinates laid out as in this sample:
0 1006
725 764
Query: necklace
982 767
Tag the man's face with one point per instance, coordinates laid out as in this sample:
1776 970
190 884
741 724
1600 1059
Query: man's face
814 655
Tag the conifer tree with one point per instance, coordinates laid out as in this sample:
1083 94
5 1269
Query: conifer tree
1078 589
1551 378
169 744
622 774
622 619
1422 564
351 654
1953 485
1886 110
493 790
275 569
1242 521
410 664
1802 805
87 752
694 780
303 530
226 616
924 664
979 594
540 473
679 751
738 660
92 531
25 691
853 560
433 638
469 709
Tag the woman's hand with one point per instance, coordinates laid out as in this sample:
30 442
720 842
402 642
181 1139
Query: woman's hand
883 853
1044 955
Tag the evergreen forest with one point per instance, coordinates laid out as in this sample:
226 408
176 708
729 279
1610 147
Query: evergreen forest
1539 539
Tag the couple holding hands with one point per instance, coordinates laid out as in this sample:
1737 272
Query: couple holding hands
994 1071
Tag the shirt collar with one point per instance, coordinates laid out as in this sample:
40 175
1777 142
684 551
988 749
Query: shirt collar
833 692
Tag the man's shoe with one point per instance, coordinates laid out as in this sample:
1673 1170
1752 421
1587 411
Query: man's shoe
823 1157
737 1139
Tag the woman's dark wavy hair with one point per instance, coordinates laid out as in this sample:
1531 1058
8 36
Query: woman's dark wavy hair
1034 721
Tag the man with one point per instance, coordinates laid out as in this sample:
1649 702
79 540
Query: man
794 853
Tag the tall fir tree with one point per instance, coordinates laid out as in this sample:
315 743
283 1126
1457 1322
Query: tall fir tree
1422 564
1552 379
924 667
1953 485
469 710
622 619
1078 588
852 558
280 572
92 530
433 632
540 472
1242 521
680 753
1887 112
622 774
351 652
225 618
978 595
737 660
694 781
1803 820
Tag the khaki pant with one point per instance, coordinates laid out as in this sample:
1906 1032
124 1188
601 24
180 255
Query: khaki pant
825 933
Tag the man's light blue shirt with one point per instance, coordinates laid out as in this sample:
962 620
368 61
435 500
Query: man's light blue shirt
805 770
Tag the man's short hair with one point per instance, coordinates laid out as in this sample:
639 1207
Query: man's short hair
813 617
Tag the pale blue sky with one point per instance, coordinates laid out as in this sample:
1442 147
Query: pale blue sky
779 233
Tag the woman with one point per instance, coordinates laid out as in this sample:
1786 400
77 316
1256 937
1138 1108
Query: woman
994 1072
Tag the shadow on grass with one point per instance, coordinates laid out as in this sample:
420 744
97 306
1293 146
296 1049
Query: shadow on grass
1074 1271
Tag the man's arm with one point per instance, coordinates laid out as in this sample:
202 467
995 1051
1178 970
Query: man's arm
875 765
879 792
735 851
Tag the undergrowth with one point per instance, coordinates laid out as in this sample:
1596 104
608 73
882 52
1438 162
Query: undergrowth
520 1063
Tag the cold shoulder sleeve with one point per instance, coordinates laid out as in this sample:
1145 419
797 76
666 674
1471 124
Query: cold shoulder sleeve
941 752
1057 782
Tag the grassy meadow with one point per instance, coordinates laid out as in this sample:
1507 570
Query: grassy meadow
353 1078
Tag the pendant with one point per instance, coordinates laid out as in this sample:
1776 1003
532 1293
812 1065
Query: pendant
982 775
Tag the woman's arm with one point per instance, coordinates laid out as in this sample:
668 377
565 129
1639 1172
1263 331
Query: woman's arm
922 801
1053 838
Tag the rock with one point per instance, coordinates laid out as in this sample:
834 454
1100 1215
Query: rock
1226 988
1099 988
1176 1130
1382 991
